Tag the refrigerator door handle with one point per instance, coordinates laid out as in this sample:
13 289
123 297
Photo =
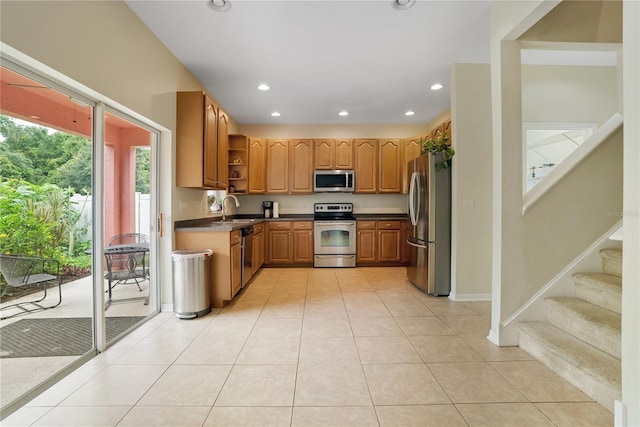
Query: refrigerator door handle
415 245
413 190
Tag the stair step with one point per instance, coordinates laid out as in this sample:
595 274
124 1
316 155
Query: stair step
612 261
604 290
594 325
593 371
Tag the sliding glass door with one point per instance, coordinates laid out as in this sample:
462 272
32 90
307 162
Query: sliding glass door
77 194
129 211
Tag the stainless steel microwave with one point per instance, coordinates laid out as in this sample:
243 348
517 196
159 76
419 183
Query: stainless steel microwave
333 181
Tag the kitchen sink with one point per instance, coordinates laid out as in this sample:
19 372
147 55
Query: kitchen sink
236 220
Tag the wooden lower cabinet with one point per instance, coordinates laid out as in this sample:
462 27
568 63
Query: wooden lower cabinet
389 236
366 246
303 242
236 269
380 242
279 250
225 273
289 242
257 256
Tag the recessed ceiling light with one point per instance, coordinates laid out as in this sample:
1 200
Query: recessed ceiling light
436 86
343 113
403 4
264 86
220 5
275 114
409 113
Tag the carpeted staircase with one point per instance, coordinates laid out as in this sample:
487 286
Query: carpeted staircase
581 338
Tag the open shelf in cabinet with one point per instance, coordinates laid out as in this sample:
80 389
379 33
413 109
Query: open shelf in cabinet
238 171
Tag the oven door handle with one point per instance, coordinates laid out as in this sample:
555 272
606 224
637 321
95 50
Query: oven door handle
335 256
332 223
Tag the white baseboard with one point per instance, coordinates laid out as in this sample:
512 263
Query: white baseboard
493 336
619 414
166 308
469 297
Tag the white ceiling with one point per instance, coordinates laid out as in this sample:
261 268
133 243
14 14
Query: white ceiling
321 57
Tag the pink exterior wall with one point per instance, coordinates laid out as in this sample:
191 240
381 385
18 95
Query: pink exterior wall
120 177
47 107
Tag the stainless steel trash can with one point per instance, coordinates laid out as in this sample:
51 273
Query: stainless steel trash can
191 287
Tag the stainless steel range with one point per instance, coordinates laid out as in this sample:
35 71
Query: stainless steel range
334 235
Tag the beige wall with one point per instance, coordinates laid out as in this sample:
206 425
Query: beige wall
553 93
471 181
580 21
334 131
566 220
105 47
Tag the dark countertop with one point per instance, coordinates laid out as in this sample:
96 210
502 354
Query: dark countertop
235 222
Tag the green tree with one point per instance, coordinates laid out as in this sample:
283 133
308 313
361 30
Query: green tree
76 173
14 165
143 170
39 154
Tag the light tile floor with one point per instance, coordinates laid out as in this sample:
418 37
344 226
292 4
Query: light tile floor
316 347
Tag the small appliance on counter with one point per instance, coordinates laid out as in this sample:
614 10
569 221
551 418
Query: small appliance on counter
276 210
267 209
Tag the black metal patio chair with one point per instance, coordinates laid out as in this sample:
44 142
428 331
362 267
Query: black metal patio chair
23 270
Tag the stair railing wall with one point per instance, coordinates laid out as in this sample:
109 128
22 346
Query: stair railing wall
575 158
534 310
561 227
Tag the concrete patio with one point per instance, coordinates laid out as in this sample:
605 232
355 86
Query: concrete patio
21 374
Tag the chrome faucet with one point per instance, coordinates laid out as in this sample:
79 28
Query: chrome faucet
224 214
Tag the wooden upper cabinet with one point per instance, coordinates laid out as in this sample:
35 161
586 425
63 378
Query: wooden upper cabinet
257 166
301 166
344 154
277 166
223 154
390 166
197 155
325 153
334 154
366 165
210 143
446 127
412 150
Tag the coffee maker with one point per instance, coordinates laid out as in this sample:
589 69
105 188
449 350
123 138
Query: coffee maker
267 208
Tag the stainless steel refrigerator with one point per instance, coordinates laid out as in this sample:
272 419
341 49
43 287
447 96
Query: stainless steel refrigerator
429 238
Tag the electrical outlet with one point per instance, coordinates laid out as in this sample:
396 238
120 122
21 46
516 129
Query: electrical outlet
184 205
467 202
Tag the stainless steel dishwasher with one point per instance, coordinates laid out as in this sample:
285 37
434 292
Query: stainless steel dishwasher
247 254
